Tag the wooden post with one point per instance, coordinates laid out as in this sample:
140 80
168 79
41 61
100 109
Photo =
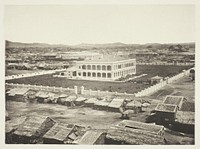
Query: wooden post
82 90
75 90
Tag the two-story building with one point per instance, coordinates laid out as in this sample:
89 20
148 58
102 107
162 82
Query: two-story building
105 68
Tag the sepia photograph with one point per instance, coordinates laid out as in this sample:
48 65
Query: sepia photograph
100 74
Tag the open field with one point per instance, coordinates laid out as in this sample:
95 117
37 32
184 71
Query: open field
129 87
160 70
15 72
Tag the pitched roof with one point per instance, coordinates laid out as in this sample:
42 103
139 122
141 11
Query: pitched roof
175 100
70 98
133 136
63 95
101 103
134 103
79 99
58 132
31 126
13 123
91 100
143 126
18 91
90 137
132 132
166 108
42 94
116 102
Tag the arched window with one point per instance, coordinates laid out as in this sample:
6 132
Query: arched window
108 67
89 74
93 74
93 67
103 67
119 66
98 67
109 75
99 74
88 67
84 74
83 67
104 75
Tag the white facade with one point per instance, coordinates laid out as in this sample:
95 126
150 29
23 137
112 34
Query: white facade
104 69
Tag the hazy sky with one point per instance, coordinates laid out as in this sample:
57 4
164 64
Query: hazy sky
74 24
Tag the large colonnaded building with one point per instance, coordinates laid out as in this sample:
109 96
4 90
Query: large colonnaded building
102 69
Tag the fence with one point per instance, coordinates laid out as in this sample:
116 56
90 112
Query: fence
144 92
41 88
164 63
103 93
150 90
32 74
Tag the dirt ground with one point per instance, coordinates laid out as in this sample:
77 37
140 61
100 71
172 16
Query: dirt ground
63 114
182 87
86 117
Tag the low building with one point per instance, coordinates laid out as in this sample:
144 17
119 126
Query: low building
115 104
58 134
69 101
41 96
17 94
102 69
134 105
90 102
80 101
62 98
32 129
30 96
174 100
11 126
135 133
165 113
101 105
92 137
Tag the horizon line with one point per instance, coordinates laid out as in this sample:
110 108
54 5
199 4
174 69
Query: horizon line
99 43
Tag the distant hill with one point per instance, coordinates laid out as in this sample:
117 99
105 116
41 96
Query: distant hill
105 45
10 44
110 46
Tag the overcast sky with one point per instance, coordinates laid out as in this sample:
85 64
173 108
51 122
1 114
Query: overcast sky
74 24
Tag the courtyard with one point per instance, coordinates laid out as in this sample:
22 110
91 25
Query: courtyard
121 87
